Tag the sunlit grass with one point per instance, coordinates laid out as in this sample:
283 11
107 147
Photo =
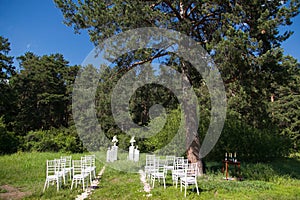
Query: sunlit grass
27 172
275 180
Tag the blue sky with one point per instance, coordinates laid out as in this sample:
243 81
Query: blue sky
37 26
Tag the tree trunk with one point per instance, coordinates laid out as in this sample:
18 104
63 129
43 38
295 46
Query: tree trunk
191 126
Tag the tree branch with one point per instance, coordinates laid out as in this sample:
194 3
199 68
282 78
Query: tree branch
192 10
173 9
147 60
155 4
203 19
140 62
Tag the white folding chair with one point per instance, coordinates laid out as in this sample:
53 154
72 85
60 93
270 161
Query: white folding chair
149 167
159 172
190 177
170 163
79 174
89 165
62 170
93 164
179 166
67 165
53 173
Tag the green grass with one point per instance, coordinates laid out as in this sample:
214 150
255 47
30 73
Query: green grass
27 171
119 185
276 180
3 190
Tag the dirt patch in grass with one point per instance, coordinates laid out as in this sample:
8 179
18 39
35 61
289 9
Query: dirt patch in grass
9 192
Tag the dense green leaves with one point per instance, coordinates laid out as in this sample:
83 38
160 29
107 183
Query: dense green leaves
250 144
6 67
7 70
62 139
42 90
8 140
37 97
285 108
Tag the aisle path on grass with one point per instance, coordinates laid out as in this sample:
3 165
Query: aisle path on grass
88 191
146 185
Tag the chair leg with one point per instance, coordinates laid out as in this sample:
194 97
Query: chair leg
197 187
57 183
185 186
164 182
87 183
46 183
70 174
180 186
94 173
153 181
72 184
64 178
173 179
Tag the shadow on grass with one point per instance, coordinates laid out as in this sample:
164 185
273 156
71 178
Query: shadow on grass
287 167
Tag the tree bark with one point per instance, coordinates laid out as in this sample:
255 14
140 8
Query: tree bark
191 123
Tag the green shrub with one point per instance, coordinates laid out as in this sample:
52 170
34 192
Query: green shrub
8 141
251 144
259 171
63 139
159 138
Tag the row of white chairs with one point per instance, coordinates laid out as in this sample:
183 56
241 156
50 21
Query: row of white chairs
79 171
157 169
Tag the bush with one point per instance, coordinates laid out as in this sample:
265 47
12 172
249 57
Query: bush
251 144
159 138
63 139
258 171
8 141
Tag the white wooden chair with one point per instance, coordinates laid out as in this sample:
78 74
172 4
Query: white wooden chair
170 163
62 170
79 174
53 173
67 165
149 167
159 172
190 177
93 164
179 167
89 166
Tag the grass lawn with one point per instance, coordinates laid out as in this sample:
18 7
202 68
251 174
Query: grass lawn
276 180
27 172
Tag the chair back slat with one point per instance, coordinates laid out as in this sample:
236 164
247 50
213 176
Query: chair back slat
53 167
68 161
